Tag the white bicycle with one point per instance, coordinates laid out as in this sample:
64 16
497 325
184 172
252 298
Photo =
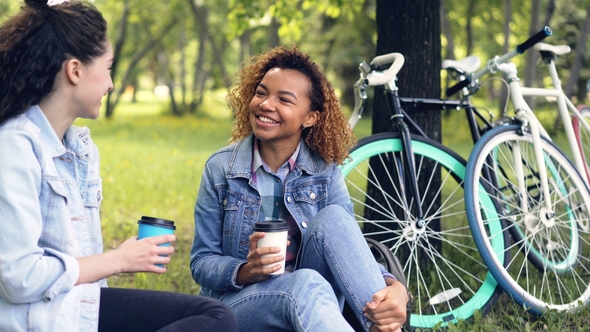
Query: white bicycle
543 195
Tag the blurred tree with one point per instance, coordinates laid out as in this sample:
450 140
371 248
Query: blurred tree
577 63
220 35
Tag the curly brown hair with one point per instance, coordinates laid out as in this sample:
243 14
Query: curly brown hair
34 45
331 136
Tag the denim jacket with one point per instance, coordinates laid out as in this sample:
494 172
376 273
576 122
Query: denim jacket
49 215
228 206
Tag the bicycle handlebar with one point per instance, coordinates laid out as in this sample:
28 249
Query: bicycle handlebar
397 60
492 64
457 87
546 32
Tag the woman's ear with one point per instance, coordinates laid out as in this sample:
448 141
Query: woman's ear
73 68
311 119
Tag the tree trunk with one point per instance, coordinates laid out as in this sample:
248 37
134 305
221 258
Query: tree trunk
468 28
273 33
579 56
446 29
168 77
200 73
549 12
201 15
532 57
506 29
110 107
448 33
129 75
245 46
412 28
182 41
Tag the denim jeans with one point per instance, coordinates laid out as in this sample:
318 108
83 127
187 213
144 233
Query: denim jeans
335 265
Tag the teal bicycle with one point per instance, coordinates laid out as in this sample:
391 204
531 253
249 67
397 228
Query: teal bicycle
408 195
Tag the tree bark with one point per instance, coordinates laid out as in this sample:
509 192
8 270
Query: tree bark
532 57
506 29
273 33
245 46
579 56
129 75
549 12
446 29
201 74
168 77
412 28
201 15
110 107
182 41
468 28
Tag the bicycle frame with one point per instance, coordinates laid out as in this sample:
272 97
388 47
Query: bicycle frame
564 106
405 125
530 121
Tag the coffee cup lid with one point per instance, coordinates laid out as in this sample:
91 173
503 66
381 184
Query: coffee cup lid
271 226
156 222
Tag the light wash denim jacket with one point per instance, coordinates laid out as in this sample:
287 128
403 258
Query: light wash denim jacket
228 206
49 214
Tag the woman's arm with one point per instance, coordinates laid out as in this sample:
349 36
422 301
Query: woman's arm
28 273
131 256
210 267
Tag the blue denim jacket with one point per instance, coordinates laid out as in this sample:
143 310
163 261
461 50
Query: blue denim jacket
49 214
228 206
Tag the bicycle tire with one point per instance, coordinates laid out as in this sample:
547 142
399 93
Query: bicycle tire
431 272
550 257
583 135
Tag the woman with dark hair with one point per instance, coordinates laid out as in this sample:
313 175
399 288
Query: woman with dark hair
55 67
289 136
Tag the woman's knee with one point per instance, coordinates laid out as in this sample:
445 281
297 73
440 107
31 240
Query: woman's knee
333 218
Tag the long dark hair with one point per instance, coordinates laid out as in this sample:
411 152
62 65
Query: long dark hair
36 42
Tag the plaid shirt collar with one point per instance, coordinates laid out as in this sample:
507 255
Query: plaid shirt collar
257 161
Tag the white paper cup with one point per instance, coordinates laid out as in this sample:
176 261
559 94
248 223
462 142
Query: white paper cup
276 236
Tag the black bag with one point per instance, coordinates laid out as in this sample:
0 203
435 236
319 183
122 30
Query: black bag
384 257
391 263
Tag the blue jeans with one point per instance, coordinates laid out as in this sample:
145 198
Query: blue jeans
335 265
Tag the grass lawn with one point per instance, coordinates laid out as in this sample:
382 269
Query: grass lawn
152 165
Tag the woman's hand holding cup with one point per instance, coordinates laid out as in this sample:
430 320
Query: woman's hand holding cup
146 255
262 260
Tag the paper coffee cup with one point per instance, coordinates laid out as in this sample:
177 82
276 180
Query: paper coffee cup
276 236
150 226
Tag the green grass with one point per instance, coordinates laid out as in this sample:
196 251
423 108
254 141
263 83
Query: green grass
152 165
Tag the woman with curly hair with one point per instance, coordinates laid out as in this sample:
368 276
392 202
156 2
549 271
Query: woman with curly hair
55 67
289 135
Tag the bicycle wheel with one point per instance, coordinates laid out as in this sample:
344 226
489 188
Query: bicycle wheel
443 268
583 135
550 265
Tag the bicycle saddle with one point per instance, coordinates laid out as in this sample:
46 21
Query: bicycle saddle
466 65
555 49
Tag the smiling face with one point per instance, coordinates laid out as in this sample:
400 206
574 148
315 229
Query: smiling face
281 107
94 83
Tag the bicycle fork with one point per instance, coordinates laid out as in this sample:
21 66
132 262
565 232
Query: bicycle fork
523 113
409 172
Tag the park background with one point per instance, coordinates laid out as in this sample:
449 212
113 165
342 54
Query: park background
175 60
